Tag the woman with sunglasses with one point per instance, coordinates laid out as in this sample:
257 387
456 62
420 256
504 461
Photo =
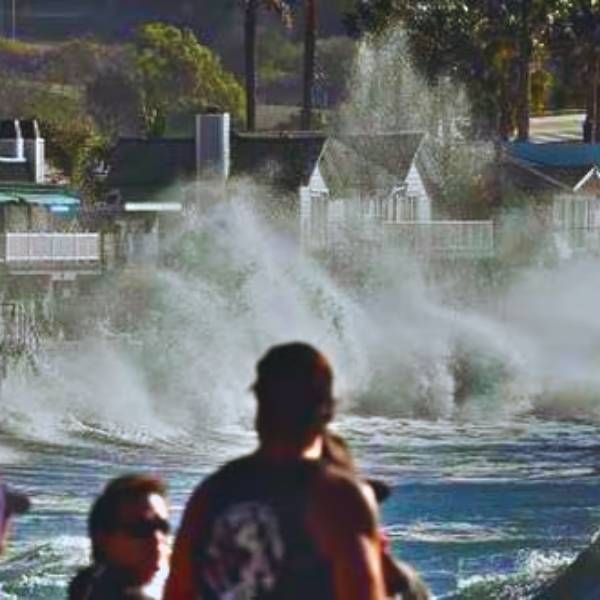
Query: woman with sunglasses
128 527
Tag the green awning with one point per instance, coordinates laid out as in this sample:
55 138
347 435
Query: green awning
4 198
49 199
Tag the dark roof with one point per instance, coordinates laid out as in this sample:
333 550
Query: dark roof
368 162
568 177
153 163
152 193
551 167
141 168
569 155
393 152
284 160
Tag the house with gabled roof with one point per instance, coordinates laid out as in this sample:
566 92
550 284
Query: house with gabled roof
323 178
36 218
569 173
283 161
549 167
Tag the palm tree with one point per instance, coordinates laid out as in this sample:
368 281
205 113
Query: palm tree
310 34
250 21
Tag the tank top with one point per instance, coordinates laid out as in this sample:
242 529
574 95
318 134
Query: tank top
255 544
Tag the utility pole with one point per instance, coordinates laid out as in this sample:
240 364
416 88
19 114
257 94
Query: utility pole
14 20
594 135
250 8
310 34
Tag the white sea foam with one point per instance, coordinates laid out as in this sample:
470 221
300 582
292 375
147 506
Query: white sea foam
448 532
534 569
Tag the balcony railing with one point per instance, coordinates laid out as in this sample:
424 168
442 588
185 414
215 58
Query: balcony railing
50 248
450 238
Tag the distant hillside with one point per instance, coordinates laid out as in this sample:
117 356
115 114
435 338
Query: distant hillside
61 19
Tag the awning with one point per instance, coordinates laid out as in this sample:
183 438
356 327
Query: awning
4 198
49 199
557 154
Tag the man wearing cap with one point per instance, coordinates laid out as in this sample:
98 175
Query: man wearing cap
281 523
12 503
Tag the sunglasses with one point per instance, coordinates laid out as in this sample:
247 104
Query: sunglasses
145 528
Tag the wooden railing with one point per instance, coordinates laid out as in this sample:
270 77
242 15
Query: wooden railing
50 248
452 238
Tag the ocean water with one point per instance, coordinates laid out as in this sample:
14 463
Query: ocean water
482 512
474 395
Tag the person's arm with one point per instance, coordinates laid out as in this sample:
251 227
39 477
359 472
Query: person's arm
343 522
182 581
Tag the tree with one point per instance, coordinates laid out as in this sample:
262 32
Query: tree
77 61
336 56
250 22
524 23
65 126
575 33
250 16
114 100
176 73
447 38
488 45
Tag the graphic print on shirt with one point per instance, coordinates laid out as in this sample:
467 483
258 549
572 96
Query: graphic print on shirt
244 553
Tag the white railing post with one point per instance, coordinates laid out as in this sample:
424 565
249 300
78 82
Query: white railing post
475 238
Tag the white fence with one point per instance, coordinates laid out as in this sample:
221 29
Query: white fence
453 238
49 247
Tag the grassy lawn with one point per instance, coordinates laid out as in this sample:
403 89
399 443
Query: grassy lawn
567 127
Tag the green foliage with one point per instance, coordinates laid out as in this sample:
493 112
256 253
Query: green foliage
77 61
541 82
177 74
14 95
113 100
335 57
67 129
575 38
93 151
18 48
486 45
280 57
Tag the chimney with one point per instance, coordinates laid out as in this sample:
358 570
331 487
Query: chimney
212 145
34 149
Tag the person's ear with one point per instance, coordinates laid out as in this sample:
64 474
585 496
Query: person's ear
4 534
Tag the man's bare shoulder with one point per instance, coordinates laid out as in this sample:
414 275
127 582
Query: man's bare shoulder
341 503
216 480
205 495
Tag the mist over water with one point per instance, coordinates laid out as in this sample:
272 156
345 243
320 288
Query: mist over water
163 352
